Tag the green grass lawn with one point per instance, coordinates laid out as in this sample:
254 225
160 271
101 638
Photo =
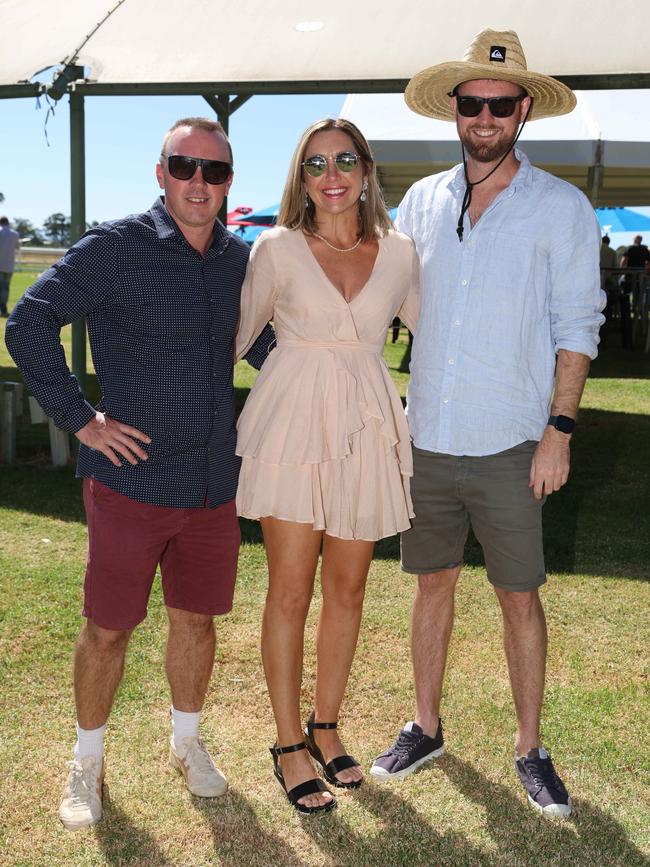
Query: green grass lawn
468 807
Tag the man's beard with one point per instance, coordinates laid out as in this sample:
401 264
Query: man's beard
487 151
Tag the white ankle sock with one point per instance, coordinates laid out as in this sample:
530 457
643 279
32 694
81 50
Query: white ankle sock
90 742
184 725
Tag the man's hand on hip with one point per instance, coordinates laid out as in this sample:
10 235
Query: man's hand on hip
111 438
550 467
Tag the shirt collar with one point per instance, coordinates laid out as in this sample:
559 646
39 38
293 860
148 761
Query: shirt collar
521 179
166 228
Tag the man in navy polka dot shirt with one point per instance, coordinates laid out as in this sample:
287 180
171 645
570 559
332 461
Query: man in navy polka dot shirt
160 291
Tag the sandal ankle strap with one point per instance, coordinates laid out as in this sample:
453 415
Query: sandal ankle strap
276 751
311 724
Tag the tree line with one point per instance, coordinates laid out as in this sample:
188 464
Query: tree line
55 231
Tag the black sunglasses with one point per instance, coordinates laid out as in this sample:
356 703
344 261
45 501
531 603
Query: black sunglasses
499 106
184 168
316 166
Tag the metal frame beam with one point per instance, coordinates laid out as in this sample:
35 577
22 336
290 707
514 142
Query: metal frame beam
604 81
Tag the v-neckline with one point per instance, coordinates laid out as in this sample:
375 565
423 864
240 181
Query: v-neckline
327 279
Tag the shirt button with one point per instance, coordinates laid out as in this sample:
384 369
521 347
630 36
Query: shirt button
463 282
457 322
451 361
446 400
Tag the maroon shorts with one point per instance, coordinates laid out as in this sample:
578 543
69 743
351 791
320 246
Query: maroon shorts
196 548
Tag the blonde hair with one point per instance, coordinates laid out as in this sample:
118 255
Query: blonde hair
295 213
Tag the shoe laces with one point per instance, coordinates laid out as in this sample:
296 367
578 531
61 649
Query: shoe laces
404 742
198 756
543 773
81 783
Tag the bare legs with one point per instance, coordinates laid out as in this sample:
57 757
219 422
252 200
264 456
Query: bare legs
292 551
98 668
189 657
99 665
525 642
431 623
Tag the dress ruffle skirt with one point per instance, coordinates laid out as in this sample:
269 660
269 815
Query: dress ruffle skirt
324 441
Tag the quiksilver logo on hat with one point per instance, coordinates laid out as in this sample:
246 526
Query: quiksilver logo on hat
498 53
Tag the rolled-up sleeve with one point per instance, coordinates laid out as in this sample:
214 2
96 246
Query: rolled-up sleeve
576 299
67 291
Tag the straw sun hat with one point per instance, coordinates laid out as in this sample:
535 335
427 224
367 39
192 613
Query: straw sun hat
492 54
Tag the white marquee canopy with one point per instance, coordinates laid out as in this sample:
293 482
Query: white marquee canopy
260 41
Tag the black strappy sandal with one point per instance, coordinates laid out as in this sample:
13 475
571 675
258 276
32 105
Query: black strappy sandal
309 787
340 763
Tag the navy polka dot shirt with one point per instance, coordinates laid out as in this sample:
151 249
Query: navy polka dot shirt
161 323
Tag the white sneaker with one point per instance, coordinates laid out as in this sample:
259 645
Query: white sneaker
193 760
82 797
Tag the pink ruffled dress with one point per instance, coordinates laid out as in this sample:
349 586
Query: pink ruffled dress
323 436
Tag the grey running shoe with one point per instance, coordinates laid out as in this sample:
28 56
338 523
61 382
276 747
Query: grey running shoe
82 798
193 760
546 791
411 749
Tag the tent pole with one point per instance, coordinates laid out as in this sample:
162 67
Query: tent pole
223 106
78 219
596 175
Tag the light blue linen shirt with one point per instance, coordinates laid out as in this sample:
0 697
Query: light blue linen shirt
497 307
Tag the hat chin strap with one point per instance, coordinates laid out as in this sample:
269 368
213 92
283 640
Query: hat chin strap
469 186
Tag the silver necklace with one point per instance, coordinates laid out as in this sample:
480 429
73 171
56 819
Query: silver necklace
338 249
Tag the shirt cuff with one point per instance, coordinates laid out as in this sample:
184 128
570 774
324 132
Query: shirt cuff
77 419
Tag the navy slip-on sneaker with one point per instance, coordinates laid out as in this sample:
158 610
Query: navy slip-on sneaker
411 749
546 791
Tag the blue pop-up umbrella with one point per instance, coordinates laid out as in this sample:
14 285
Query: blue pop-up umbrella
249 233
622 220
265 217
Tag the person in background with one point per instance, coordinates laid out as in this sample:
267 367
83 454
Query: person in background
161 293
9 243
326 453
608 283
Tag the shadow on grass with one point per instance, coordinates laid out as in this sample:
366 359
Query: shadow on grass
519 835
616 363
589 837
122 843
405 839
238 837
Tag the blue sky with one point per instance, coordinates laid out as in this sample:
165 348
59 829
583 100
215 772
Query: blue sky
123 136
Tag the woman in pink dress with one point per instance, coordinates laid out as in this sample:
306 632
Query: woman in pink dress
325 448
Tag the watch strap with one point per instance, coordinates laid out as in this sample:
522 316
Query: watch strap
563 423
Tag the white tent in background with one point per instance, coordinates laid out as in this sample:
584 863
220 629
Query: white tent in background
147 41
603 146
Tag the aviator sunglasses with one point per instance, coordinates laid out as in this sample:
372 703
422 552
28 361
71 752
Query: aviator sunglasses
183 168
316 166
498 106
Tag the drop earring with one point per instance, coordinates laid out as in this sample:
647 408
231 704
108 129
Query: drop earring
363 196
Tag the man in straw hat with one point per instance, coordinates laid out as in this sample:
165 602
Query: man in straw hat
511 304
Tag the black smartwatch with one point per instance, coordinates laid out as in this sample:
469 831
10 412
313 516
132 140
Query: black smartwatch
562 423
